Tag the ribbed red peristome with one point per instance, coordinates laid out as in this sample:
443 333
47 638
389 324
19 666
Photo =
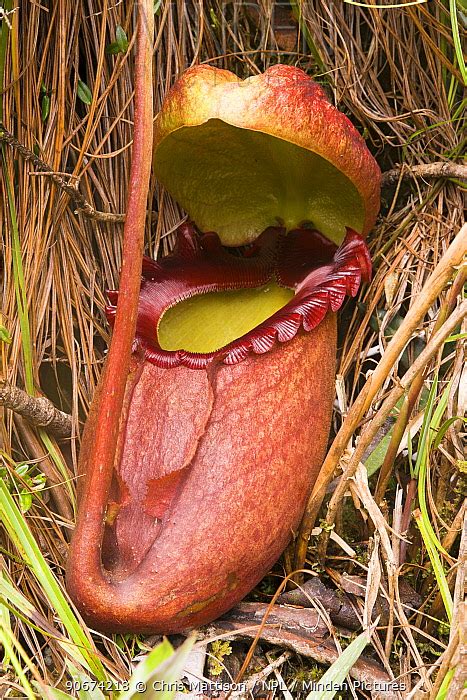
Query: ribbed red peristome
321 274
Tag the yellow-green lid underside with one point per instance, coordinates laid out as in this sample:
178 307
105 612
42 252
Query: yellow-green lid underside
238 181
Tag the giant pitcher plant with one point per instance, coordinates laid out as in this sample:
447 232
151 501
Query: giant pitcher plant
226 398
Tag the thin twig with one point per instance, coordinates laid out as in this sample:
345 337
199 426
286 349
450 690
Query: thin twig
37 410
424 170
257 679
79 200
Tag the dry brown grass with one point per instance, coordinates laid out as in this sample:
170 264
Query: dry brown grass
393 72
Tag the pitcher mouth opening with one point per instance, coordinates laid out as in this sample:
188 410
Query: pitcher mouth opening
205 302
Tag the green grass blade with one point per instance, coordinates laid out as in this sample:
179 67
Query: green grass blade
457 40
425 429
4 618
12 600
53 693
432 420
444 428
455 337
159 672
297 13
431 423
443 691
375 459
336 674
8 641
436 563
86 688
19 533
15 597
